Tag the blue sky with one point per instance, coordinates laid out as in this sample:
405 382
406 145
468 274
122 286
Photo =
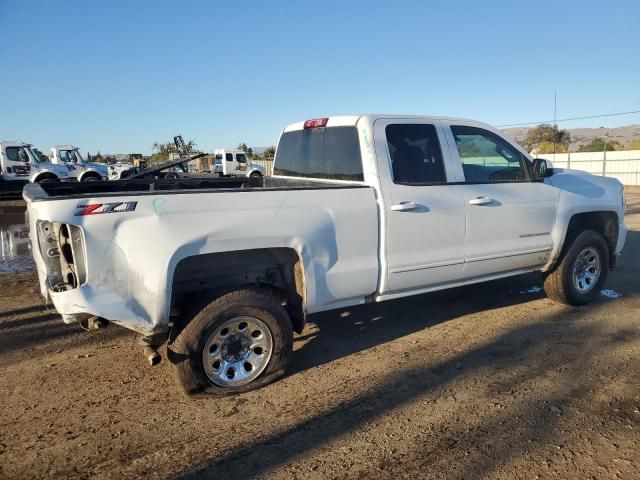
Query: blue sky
116 76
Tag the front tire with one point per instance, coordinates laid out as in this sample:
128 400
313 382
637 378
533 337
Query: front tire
582 271
238 342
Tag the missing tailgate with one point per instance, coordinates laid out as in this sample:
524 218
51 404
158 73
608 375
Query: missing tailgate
62 249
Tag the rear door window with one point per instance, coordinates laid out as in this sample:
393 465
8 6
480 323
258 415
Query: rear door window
327 152
416 158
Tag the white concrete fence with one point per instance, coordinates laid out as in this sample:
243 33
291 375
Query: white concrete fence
267 164
623 165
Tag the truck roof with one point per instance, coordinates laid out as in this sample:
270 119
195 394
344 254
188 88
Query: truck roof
15 143
352 120
227 150
65 147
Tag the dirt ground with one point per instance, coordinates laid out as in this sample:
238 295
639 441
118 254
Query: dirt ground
487 381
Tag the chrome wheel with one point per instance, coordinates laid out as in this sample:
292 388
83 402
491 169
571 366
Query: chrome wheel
586 270
237 351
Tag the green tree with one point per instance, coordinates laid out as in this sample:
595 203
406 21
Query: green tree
549 147
598 145
269 152
547 133
634 145
248 150
162 151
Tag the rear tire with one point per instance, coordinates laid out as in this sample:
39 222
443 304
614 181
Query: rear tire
244 337
91 178
582 270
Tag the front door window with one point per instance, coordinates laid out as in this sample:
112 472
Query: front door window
486 158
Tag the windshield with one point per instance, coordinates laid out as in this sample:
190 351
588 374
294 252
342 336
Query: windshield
67 156
328 153
37 158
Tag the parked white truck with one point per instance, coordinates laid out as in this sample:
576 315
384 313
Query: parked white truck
235 163
120 170
20 165
360 209
80 169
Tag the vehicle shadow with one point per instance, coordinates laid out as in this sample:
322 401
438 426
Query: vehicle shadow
22 311
554 344
365 326
40 328
466 443
339 333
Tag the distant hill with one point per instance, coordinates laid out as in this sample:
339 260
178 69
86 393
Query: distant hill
583 136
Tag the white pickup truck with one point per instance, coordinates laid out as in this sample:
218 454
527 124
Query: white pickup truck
360 209
20 165
81 170
235 163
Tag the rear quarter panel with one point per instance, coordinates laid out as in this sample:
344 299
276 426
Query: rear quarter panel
131 257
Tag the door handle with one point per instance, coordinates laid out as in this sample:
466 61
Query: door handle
404 206
481 201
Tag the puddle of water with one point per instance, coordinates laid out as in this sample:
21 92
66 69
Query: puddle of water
15 248
610 294
534 289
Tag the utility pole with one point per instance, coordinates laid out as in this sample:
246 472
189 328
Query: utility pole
555 124
604 157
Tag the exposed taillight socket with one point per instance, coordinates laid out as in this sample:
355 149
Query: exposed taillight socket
316 123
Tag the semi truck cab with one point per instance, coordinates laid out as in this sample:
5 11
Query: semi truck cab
20 165
79 169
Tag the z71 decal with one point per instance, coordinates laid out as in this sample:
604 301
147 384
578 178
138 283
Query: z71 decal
99 208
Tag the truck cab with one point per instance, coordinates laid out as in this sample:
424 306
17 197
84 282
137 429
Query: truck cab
20 165
235 163
79 169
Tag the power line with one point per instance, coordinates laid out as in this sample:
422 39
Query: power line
568 119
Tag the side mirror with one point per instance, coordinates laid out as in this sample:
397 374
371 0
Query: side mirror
542 168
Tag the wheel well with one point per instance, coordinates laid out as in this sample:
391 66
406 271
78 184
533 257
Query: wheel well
45 176
277 270
90 174
605 223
